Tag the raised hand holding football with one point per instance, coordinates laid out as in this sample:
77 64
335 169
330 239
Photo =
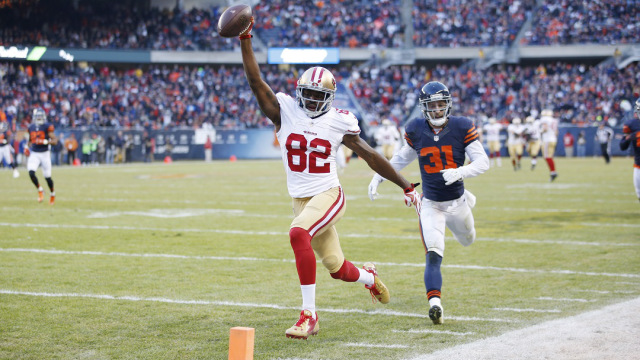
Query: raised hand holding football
235 20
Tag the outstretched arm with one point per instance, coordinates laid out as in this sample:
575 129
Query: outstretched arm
375 161
263 93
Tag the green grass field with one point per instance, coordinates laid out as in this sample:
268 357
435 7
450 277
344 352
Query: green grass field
160 261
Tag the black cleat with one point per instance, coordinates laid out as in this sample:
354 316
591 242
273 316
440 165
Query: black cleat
435 314
553 177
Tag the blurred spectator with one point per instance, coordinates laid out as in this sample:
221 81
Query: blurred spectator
568 140
581 144
71 144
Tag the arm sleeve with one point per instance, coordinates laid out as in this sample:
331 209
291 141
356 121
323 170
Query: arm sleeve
479 160
401 159
625 142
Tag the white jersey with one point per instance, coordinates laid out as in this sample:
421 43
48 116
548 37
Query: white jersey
515 134
493 131
387 135
533 130
549 129
309 146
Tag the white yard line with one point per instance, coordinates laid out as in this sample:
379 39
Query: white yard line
608 333
528 310
564 299
241 304
429 331
391 264
286 234
384 346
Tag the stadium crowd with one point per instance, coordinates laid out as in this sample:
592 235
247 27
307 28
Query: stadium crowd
188 96
340 23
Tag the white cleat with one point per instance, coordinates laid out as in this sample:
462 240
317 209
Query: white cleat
16 174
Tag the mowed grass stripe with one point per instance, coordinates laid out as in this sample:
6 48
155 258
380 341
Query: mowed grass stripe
242 304
390 264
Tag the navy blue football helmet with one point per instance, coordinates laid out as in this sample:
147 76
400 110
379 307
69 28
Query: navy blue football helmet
431 96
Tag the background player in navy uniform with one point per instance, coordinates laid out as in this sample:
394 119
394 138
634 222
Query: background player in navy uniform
440 144
6 147
40 137
631 130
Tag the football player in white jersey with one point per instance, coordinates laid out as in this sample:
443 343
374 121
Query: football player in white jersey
492 131
515 141
310 131
549 134
6 147
532 135
388 137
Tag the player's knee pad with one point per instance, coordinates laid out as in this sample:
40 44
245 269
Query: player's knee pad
299 238
334 265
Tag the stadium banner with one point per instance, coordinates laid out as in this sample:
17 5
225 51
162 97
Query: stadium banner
303 55
43 53
186 144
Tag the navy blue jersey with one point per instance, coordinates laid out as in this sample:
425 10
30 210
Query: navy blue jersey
630 127
37 133
436 152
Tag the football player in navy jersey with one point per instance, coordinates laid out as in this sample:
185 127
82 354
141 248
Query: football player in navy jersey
440 142
41 135
631 130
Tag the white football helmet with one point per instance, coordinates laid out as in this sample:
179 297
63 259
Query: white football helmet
39 117
529 120
492 120
516 121
315 91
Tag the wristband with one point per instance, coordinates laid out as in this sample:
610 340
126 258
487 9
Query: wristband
242 37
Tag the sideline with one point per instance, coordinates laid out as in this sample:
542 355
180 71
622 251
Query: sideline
608 333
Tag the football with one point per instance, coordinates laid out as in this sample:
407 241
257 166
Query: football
234 20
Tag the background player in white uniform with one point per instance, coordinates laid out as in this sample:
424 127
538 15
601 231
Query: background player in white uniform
388 137
492 132
41 135
440 142
6 149
310 131
549 134
515 142
532 136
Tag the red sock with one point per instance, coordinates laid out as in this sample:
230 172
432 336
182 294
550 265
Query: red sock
305 257
348 272
552 165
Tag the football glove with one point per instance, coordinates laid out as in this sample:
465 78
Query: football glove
247 33
373 187
27 152
411 196
42 141
451 175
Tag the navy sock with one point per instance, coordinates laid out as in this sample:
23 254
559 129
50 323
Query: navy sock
432 275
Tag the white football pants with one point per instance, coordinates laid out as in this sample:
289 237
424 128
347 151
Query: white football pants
40 159
454 214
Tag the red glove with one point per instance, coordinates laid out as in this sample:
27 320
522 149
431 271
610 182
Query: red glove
411 196
27 152
247 33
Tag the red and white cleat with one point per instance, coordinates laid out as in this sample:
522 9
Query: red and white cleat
378 290
305 326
